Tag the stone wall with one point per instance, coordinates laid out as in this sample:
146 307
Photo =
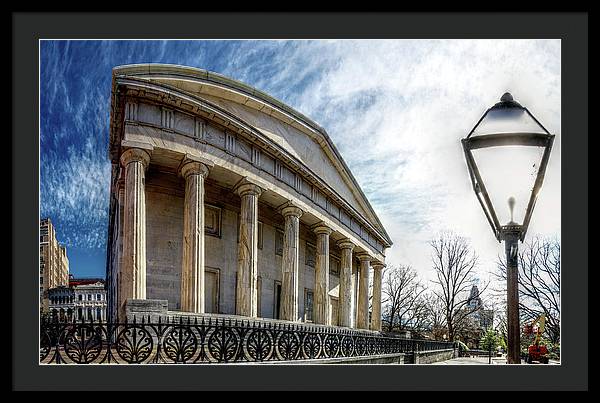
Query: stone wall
424 357
399 358
164 240
428 357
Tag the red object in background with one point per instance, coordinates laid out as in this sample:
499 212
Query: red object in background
538 353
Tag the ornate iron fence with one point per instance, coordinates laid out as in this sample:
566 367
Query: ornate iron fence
211 340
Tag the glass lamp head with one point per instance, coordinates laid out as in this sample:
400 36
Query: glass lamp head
507 152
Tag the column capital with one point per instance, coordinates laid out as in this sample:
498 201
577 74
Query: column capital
135 155
364 257
289 209
345 244
245 187
191 159
193 168
321 228
377 265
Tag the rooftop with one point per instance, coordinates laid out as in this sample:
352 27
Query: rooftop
84 281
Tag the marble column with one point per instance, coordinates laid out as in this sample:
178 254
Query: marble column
355 284
116 273
133 270
362 321
321 304
376 311
192 267
247 273
346 296
289 270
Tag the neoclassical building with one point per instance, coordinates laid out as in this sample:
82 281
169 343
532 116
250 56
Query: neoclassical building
83 299
226 201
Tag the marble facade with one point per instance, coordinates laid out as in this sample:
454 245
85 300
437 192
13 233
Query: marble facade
226 201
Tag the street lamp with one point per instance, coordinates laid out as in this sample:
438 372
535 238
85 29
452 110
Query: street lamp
510 148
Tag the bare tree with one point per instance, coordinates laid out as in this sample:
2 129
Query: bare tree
435 316
539 283
401 294
454 263
497 304
420 320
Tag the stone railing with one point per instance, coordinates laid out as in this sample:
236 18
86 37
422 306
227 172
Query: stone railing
212 340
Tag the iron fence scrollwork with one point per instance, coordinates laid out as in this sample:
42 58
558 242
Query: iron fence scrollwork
211 340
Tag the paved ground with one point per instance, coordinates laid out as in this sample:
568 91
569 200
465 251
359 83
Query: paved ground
472 361
481 361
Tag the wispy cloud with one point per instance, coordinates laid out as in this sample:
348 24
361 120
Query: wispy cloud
74 170
396 110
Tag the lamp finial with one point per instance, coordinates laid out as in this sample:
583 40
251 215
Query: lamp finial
511 206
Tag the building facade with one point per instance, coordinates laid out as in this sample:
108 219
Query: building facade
226 201
61 301
90 299
83 299
54 263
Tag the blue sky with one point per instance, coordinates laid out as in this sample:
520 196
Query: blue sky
396 110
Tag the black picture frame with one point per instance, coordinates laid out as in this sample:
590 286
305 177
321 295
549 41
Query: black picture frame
28 28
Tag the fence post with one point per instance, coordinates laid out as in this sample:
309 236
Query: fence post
414 351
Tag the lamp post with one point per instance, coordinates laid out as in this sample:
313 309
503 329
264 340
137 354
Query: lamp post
501 148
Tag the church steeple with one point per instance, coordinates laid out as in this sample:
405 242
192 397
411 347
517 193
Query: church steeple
474 301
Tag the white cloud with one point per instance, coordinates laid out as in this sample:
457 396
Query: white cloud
402 106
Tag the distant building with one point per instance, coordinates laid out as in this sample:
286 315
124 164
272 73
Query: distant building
90 298
477 321
54 264
61 302
82 299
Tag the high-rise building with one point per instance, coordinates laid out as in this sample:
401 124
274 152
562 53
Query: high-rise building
54 263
